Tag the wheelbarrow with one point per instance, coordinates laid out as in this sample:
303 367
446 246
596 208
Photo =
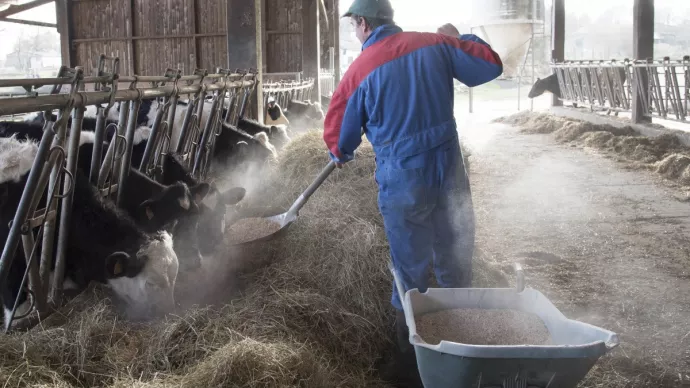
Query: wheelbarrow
575 348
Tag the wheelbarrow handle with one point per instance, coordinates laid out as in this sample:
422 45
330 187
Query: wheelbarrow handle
302 200
397 281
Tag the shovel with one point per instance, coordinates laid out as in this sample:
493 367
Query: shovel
290 216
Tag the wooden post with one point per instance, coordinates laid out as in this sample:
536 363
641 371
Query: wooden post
643 49
245 45
558 38
336 40
311 45
63 15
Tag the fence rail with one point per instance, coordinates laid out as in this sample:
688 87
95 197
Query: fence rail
611 85
285 91
327 78
55 164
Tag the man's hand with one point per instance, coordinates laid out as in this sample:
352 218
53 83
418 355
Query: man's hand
338 165
448 29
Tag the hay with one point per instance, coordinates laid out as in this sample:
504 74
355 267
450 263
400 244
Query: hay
309 309
664 154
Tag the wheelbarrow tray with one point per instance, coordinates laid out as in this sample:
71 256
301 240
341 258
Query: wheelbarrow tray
575 348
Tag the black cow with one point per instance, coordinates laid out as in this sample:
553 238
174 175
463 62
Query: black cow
105 245
550 84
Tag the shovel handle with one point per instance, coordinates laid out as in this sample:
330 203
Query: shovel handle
299 203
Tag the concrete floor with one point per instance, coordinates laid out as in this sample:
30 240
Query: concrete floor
607 245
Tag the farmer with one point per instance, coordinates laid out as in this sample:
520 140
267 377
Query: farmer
399 91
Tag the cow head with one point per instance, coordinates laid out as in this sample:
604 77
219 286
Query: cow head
145 280
177 203
315 112
174 202
279 136
538 89
212 222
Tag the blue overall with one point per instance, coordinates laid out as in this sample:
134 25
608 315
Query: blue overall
400 92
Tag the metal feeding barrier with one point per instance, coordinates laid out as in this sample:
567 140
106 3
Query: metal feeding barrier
285 91
55 164
610 85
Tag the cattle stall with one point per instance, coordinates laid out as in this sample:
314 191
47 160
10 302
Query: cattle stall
214 101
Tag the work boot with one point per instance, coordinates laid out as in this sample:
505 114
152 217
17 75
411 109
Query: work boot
402 368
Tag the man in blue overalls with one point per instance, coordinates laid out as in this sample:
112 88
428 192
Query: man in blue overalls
400 92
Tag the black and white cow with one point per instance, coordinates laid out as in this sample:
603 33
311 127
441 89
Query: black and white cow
212 207
152 205
304 114
226 151
105 245
277 134
274 113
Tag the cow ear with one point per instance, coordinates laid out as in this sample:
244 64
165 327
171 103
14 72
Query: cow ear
200 191
233 195
116 264
145 211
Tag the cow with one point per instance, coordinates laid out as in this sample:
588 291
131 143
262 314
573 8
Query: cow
550 84
274 113
226 146
104 245
212 208
151 204
277 134
304 114
263 139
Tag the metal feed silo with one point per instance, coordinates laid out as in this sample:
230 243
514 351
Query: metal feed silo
508 26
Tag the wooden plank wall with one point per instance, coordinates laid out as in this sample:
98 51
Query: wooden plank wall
151 35
283 40
326 34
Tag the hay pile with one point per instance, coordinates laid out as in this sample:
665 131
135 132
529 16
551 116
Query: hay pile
310 309
663 154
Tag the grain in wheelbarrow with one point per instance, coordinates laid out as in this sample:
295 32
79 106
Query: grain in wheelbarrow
483 327
248 229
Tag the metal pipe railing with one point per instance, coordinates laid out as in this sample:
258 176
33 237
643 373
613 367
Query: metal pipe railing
107 173
663 85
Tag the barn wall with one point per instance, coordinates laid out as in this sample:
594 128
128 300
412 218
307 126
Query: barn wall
151 35
283 37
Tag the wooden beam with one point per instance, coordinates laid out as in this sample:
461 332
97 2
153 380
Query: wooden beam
244 43
15 9
63 15
152 37
264 39
28 22
283 32
311 45
324 13
195 49
130 43
336 40
643 49
558 34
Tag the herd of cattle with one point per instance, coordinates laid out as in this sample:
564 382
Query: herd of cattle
161 227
